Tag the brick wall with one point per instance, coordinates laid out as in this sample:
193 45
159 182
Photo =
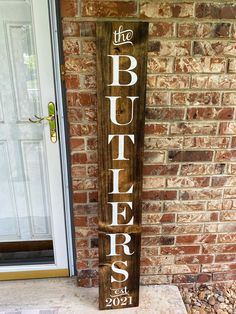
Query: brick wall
189 198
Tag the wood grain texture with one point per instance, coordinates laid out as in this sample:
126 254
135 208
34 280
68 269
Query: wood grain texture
132 173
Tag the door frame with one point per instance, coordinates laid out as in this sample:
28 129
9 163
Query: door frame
51 270
63 130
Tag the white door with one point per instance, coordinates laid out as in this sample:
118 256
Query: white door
31 199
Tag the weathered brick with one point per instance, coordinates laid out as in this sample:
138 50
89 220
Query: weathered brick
204 30
88 46
150 230
191 239
164 114
196 217
222 258
193 128
227 81
216 10
185 228
170 48
156 129
152 9
72 81
191 278
183 156
225 155
78 171
169 269
153 183
77 144
159 195
173 82
200 169
194 259
71 46
82 129
100 8
217 48
206 142
151 207
229 98
210 113
180 250
161 29
80 64
160 65
70 28
160 260
232 66
153 157
160 170
220 248
228 128
152 143
157 98
87 29
155 279
196 98
180 206
224 181
227 238
204 194
194 65
180 182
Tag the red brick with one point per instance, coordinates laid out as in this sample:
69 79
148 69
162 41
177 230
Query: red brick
164 114
109 8
151 207
157 98
153 143
196 98
206 142
216 10
92 144
173 82
179 182
81 221
225 155
80 64
72 81
227 81
93 197
75 114
201 278
210 113
204 30
221 248
200 169
161 29
70 28
80 197
92 170
180 156
179 229
150 230
224 276
88 46
197 217
68 8
71 46
77 144
193 128
152 9
83 129
180 206
160 170
204 194
194 259
218 48
159 195
225 258
160 65
85 184
84 158
191 239
180 250
203 65
170 48
157 129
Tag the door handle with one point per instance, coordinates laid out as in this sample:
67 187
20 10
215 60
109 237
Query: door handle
51 118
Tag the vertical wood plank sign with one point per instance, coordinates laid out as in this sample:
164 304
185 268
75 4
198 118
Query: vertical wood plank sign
121 84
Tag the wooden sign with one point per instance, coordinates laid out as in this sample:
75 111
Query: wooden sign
121 88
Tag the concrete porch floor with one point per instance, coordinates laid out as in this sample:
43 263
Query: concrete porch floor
62 296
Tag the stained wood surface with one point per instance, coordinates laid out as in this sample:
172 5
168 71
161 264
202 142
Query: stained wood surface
132 175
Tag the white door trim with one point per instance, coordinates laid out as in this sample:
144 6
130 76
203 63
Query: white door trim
62 134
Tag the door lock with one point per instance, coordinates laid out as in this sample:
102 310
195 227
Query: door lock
51 118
